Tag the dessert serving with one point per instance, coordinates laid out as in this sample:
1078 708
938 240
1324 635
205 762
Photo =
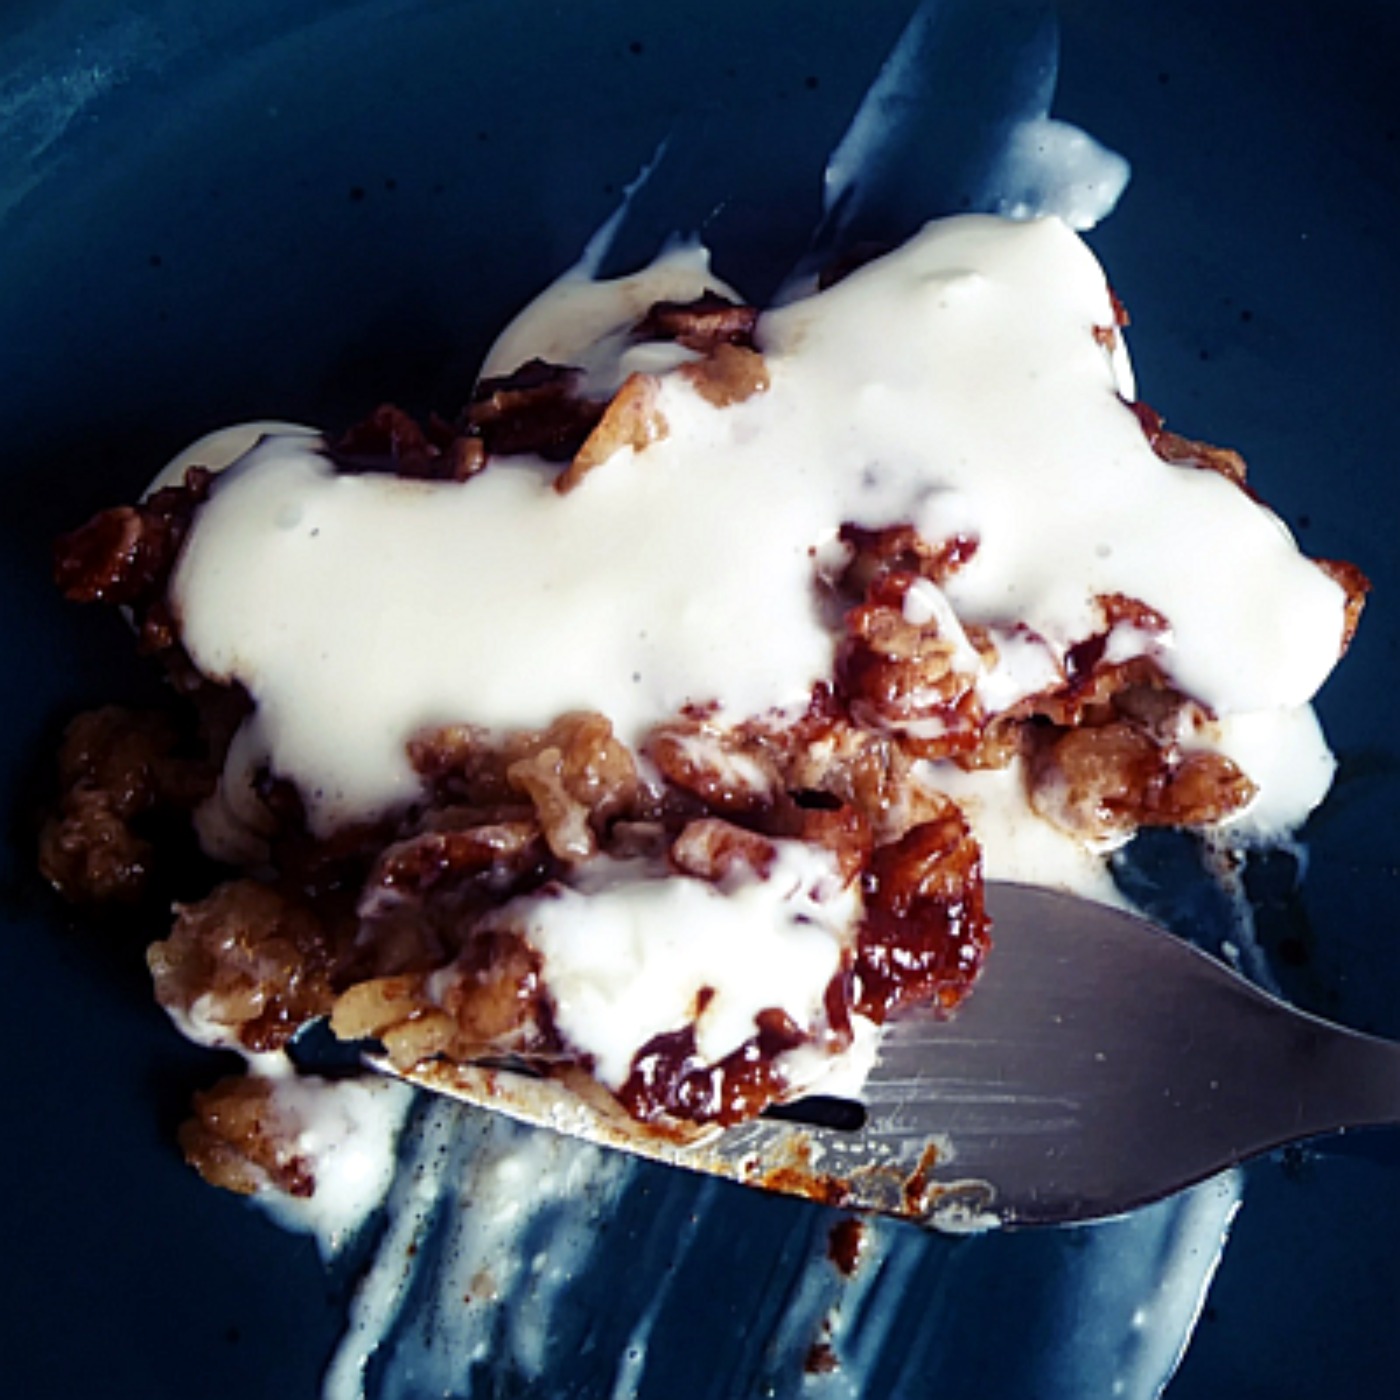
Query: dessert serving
653 724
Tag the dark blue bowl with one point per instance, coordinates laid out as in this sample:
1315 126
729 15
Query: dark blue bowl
298 209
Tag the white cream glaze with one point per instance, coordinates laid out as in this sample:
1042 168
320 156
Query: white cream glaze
1285 753
224 446
585 322
628 950
954 383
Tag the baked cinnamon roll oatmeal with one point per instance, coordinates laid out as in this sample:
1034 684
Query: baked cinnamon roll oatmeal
654 722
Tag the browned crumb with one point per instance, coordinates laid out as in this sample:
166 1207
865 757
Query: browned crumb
237 1139
115 767
703 324
729 374
846 1243
1186 452
897 550
390 440
124 555
487 1002
578 776
1355 585
713 849
903 677
1102 782
248 962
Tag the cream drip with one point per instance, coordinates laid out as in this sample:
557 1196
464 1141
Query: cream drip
346 1132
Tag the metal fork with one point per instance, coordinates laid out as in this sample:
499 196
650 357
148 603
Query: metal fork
1100 1063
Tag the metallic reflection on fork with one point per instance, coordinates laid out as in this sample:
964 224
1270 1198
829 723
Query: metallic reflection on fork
1100 1063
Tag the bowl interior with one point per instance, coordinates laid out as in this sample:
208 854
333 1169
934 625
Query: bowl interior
300 210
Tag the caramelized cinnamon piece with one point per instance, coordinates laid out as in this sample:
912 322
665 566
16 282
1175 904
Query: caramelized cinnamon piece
1200 789
487 1002
444 854
895 550
1102 782
713 849
704 324
90 854
495 1001
575 774
725 770
925 931
578 776
391 440
124 555
116 766
834 825
462 763
902 675
1121 610
870 772
1093 683
535 409
367 1009
632 420
1181 451
1355 585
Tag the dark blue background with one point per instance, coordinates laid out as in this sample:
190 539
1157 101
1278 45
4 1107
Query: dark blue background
257 209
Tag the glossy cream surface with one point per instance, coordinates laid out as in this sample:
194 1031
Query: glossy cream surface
955 383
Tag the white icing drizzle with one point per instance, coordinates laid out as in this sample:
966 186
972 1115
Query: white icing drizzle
944 385
1041 164
865 144
1135 1290
631 1367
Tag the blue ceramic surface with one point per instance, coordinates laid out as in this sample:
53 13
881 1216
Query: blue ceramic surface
229 210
